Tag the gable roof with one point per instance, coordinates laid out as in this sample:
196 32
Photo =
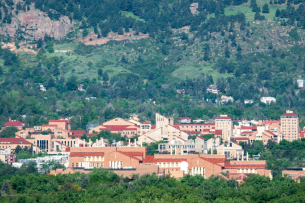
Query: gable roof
244 166
82 154
224 117
132 154
213 161
14 141
118 127
218 132
289 114
14 123
241 138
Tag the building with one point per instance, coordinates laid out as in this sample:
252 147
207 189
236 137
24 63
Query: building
14 123
185 120
12 143
120 126
212 89
225 124
201 127
294 173
165 130
226 99
7 157
290 126
230 149
268 135
300 83
132 160
199 145
268 100
248 101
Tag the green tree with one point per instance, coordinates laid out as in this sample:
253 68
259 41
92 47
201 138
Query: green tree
18 149
5 187
227 52
85 182
100 72
50 48
9 132
265 9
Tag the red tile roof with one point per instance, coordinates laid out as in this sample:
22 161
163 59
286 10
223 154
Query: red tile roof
244 166
153 127
268 131
118 128
205 130
61 143
247 132
169 160
302 133
241 138
192 132
289 114
14 141
248 127
46 125
82 154
208 124
146 122
14 124
201 138
223 117
218 132
270 122
182 139
132 154
91 134
213 161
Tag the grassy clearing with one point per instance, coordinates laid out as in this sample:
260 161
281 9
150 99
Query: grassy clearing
67 46
130 14
247 10
193 71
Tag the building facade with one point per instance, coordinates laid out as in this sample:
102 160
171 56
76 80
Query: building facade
225 124
290 126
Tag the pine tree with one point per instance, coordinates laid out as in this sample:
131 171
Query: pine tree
85 182
265 8
5 112
5 187
100 72
227 52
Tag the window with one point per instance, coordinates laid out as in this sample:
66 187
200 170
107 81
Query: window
72 164
76 164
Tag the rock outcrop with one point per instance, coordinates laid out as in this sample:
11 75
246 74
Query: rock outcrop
194 7
34 24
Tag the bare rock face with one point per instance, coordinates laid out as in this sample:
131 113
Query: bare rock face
194 7
35 24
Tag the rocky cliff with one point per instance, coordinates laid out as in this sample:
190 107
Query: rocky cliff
34 24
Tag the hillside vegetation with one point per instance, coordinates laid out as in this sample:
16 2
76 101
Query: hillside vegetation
240 46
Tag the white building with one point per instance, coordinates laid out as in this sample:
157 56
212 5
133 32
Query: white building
300 83
268 100
225 99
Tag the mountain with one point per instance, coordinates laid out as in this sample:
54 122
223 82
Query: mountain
136 56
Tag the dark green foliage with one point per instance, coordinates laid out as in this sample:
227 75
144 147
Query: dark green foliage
227 52
265 8
5 187
85 182
9 132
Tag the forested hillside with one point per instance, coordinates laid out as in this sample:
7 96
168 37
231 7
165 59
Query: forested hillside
240 46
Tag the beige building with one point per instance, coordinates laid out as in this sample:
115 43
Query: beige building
225 124
165 130
230 149
290 126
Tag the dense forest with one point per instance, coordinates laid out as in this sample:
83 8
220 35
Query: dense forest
100 185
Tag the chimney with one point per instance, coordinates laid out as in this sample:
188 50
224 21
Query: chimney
9 119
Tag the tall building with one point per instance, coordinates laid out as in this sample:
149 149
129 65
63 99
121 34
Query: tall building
290 126
224 123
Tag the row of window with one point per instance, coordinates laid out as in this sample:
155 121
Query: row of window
254 171
94 158
168 164
93 165
195 126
